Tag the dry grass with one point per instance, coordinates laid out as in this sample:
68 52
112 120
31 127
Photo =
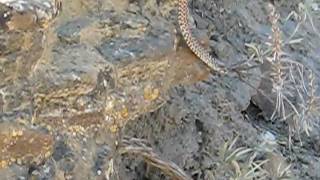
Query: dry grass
235 162
139 147
244 163
306 13
294 84
239 163
277 168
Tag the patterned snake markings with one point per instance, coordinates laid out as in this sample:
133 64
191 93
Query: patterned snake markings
192 42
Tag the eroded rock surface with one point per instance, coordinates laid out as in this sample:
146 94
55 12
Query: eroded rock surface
105 65
23 28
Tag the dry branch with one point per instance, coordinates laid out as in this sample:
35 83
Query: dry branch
139 148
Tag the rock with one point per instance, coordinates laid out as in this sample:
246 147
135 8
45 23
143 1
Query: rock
23 146
22 35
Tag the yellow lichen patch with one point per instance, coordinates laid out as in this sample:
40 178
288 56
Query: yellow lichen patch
150 93
75 124
65 97
143 71
24 147
86 120
124 112
114 128
81 123
64 93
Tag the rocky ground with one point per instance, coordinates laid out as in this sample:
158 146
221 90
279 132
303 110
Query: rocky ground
106 70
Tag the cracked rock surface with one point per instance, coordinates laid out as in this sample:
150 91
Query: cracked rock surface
105 65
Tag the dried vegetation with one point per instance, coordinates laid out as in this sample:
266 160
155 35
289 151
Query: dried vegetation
138 88
293 92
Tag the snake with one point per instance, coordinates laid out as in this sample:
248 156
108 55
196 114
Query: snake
48 9
191 41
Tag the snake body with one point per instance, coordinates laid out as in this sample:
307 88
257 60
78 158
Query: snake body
48 9
191 41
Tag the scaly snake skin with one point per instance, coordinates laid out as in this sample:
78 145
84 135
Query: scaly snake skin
193 43
48 9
